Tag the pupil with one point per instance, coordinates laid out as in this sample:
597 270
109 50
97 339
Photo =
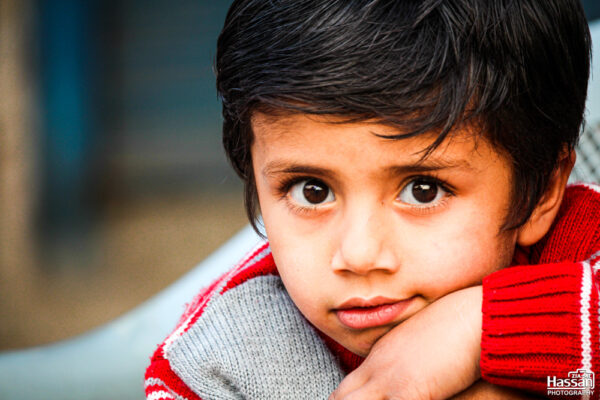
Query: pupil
424 192
315 192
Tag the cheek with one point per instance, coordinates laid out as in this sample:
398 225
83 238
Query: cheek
294 254
461 257
298 250
300 266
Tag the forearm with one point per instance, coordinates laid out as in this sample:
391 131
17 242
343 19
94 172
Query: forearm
539 321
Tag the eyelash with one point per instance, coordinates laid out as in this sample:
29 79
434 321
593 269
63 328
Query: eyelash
427 208
283 189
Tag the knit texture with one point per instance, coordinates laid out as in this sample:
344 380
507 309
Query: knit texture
541 320
243 338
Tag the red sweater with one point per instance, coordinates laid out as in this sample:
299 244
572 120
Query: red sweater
540 318
205 356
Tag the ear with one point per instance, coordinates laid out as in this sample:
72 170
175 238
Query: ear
543 215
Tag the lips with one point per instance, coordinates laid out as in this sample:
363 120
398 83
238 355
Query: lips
360 313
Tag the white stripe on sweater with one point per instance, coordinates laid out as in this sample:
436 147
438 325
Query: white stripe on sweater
159 395
594 262
586 344
251 342
154 381
586 291
158 382
248 261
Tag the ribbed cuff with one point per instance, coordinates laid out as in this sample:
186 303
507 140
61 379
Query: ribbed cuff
531 324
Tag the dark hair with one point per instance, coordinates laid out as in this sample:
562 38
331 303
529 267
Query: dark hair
515 69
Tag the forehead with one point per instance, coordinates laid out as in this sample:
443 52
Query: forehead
327 140
294 129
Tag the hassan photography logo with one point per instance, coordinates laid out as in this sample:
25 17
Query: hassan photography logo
577 383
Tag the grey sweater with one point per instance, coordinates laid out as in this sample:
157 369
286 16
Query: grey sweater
244 339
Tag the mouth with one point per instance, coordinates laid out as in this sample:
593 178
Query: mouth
358 313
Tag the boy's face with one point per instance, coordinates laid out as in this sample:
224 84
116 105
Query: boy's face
363 234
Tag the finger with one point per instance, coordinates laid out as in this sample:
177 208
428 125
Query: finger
350 383
363 393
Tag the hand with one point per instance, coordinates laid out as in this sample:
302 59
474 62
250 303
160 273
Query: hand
432 355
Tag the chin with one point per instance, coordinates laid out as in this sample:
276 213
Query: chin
362 353
359 350
362 347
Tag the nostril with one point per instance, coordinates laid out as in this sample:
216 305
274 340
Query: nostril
364 244
362 260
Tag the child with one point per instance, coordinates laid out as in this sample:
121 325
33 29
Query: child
400 152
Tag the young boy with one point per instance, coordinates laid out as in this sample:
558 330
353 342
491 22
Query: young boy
400 152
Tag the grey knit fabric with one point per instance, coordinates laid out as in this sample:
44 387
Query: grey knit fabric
253 343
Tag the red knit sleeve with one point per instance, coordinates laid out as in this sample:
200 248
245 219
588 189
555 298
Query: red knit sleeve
161 383
540 321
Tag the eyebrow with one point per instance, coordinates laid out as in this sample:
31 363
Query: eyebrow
428 165
283 167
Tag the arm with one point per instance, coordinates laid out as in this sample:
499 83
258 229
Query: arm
517 306
435 355
162 383
540 321
432 355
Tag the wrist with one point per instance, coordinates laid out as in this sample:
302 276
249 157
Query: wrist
521 334
475 301
466 305
470 303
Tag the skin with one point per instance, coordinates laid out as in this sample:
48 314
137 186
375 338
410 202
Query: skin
435 354
371 236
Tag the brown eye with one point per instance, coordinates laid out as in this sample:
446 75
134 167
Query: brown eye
422 191
311 192
315 192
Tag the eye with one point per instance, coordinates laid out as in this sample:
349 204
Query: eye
422 191
311 192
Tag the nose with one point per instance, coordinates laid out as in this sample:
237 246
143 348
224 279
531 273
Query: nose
366 244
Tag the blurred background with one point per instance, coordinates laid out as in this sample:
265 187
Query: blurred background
113 182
